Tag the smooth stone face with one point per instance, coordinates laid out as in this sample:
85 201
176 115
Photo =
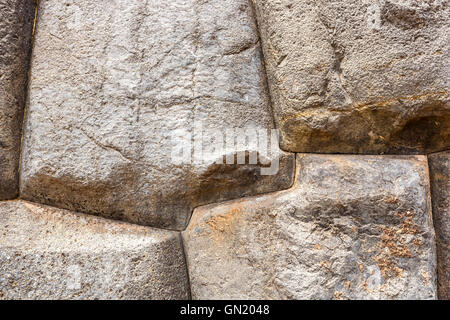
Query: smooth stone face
48 253
439 164
358 76
16 22
111 82
351 227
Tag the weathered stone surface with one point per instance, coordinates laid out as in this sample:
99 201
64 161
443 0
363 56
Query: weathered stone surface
16 22
112 81
351 227
358 76
48 253
439 164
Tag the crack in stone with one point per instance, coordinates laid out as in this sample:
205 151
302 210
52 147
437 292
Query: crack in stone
338 54
104 146
242 49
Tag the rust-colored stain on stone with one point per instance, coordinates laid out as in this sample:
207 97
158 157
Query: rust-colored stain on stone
394 242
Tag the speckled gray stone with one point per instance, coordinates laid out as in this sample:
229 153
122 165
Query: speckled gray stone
47 253
439 164
358 76
351 227
16 22
112 81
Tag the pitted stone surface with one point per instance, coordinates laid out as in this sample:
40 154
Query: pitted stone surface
16 22
358 76
112 81
439 164
48 253
351 227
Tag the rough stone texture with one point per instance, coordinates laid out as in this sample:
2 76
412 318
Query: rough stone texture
351 227
111 81
358 76
16 22
48 253
439 164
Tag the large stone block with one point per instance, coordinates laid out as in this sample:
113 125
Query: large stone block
16 23
351 227
439 164
358 76
111 82
48 253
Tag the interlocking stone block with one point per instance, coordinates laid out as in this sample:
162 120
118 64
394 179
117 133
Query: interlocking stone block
113 82
48 253
351 227
365 77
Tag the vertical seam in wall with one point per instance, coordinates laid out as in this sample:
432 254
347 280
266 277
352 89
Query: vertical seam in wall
268 90
297 168
183 249
26 94
263 64
434 227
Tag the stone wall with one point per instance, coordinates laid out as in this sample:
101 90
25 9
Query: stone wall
224 149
